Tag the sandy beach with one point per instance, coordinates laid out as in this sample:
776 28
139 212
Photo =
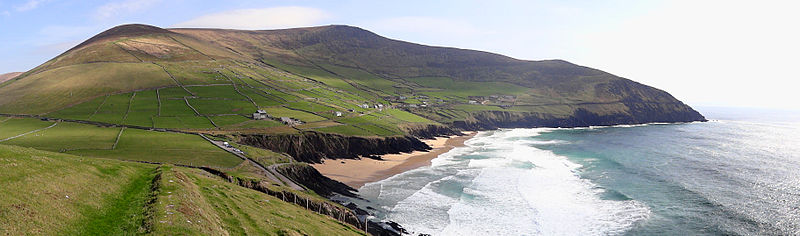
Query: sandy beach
356 173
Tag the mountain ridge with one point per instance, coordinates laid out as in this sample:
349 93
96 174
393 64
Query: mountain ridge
8 76
134 57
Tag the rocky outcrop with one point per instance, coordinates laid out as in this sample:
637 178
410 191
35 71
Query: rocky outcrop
431 131
639 113
342 214
312 147
312 179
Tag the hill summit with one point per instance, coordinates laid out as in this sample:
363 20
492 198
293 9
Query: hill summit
329 76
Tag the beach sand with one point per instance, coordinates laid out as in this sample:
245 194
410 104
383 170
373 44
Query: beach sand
356 173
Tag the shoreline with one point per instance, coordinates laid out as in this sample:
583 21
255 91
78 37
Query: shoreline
358 172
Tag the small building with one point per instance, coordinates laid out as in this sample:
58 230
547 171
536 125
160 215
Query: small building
473 102
507 98
291 122
260 115
365 106
337 113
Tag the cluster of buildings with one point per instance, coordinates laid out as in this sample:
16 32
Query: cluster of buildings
503 100
376 106
262 115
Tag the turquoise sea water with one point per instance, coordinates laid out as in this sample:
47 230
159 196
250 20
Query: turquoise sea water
739 177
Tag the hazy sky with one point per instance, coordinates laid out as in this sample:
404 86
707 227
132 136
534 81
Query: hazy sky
717 53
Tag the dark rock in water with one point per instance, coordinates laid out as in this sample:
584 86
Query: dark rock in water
355 208
312 147
386 229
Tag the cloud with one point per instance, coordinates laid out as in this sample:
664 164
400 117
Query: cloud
30 5
128 6
255 19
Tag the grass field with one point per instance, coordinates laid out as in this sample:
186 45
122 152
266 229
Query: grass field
285 112
257 124
80 111
175 107
224 121
195 72
213 106
216 92
58 88
183 122
113 109
164 147
405 116
133 144
193 203
172 92
345 130
260 97
143 107
69 136
59 194
11 127
443 87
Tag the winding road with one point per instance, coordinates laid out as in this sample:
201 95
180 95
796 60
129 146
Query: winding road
270 171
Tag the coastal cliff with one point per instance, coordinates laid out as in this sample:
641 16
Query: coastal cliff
639 113
312 179
312 147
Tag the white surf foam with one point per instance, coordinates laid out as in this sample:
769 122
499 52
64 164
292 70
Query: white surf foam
481 189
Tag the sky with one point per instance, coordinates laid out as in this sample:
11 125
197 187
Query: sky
705 53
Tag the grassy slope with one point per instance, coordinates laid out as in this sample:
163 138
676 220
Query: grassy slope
133 144
57 88
50 193
307 74
60 194
192 202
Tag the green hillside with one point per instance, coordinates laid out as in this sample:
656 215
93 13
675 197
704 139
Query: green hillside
59 194
330 78
123 133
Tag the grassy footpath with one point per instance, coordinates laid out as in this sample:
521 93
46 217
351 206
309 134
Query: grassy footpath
60 194
123 214
192 202
54 194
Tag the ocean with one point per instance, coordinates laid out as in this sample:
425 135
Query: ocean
732 176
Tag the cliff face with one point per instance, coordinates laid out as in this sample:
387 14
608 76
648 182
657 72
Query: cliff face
639 113
311 178
431 131
312 147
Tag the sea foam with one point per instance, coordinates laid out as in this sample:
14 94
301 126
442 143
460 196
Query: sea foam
499 184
